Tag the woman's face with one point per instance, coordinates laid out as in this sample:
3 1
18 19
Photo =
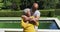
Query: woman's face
28 14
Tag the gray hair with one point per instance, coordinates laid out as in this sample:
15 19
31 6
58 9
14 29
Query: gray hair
26 10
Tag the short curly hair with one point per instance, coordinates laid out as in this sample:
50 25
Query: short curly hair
25 10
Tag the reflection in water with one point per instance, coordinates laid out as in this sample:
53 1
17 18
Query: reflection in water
53 26
47 25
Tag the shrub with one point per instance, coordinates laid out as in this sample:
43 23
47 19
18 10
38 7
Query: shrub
44 13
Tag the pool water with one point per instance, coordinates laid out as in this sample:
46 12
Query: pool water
48 25
10 24
16 24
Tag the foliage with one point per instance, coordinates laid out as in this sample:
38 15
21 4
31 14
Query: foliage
9 13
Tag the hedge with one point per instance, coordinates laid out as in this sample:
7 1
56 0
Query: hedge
8 13
57 12
48 13
1 1
1 5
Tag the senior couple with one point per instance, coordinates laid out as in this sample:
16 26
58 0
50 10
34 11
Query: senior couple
30 19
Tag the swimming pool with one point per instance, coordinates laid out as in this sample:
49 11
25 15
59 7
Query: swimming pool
43 24
12 24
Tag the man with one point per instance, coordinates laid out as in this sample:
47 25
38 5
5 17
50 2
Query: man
35 13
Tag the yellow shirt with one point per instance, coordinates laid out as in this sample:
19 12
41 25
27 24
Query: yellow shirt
27 27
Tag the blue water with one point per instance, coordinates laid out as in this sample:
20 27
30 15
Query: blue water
48 25
53 26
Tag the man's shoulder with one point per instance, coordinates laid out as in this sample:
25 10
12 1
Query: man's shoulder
37 11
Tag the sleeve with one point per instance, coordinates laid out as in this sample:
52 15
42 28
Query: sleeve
37 13
23 24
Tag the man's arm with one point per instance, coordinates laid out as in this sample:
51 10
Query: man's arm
36 17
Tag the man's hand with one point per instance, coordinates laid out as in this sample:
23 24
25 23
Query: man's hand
25 18
31 19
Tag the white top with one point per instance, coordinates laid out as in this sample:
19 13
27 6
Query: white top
37 13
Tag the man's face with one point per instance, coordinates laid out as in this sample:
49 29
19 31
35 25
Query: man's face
35 6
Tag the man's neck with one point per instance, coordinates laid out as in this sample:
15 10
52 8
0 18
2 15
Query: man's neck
33 10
